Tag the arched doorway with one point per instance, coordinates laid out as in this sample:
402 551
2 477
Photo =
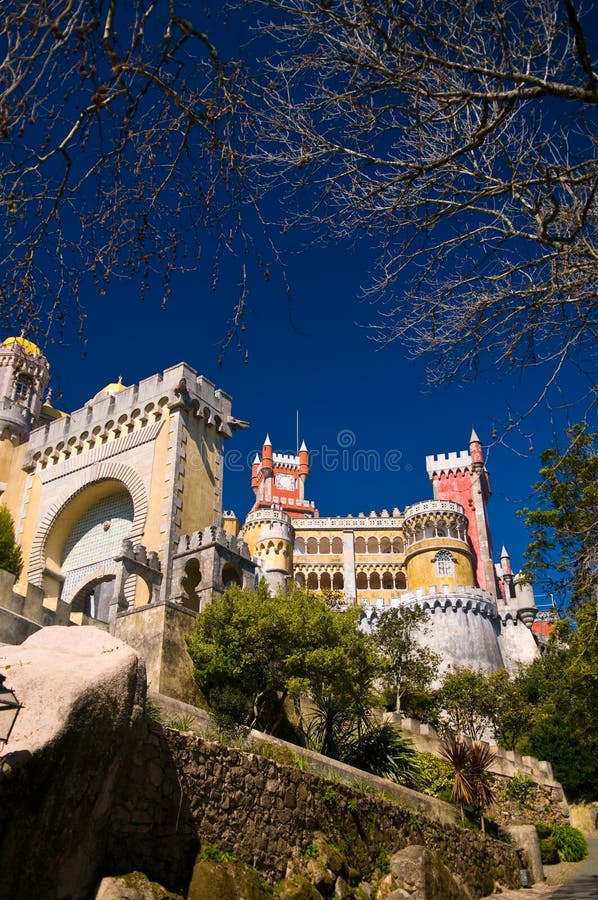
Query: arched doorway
87 533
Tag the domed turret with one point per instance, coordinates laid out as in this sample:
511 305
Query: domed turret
24 376
115 387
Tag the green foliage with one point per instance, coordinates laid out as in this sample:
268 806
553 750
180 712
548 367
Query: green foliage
562 688
181 723
473 703
250 651
548 851
11 559
570 843
409 664
564 524
275 752
519 788
311 851
561 842
470 763
384 750
467 703
383 861
213 853
435 777
152 710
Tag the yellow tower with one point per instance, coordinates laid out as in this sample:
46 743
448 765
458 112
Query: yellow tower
437 552
269 534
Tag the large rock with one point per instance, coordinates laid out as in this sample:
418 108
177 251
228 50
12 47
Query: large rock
82 692
133 886
227 880
417 873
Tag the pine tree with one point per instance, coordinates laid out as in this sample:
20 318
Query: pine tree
10 553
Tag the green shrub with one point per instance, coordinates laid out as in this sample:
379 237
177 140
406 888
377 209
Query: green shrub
550 855
181 723
213 853
153 711
275 752
570 843
519 788
11 559
383 861
435 777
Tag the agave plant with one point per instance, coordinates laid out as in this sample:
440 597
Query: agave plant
470 762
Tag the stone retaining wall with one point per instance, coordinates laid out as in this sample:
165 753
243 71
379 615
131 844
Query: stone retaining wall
182 791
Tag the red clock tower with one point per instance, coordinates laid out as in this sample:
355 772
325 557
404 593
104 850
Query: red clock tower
278 480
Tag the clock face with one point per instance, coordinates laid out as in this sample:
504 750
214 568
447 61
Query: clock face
285 481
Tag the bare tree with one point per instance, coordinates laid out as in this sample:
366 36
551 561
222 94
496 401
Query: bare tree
462 136
120 144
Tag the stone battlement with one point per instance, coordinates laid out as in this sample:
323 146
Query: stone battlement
434 507
286 459
129 410
213 534
447 462
463 597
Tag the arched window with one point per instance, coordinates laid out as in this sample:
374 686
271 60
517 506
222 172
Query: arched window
338 582
312 581
324 545
300 579
362 581
299 545
312 545
375 581
325 581
387 581
230 576
400 581
385 545
337 545
373 545
360 545
397 545
22 388
445 564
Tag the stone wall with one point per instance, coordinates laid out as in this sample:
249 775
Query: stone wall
182 791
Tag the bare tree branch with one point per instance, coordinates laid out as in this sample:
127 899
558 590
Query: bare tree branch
464 138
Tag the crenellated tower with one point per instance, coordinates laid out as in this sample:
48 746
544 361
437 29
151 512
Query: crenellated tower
278 481
462 477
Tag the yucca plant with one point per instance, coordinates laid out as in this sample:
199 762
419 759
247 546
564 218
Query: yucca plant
470 763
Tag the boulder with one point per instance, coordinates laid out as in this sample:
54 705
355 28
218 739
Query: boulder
418 873
229 880
134 886
82 692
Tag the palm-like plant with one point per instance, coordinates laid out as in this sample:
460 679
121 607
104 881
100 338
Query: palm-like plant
470 762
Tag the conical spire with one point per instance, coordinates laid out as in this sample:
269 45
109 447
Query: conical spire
303 446
267 442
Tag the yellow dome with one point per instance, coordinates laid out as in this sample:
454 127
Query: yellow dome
115 387
28 346
51 412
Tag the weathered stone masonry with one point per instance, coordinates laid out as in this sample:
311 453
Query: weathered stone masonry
182 791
